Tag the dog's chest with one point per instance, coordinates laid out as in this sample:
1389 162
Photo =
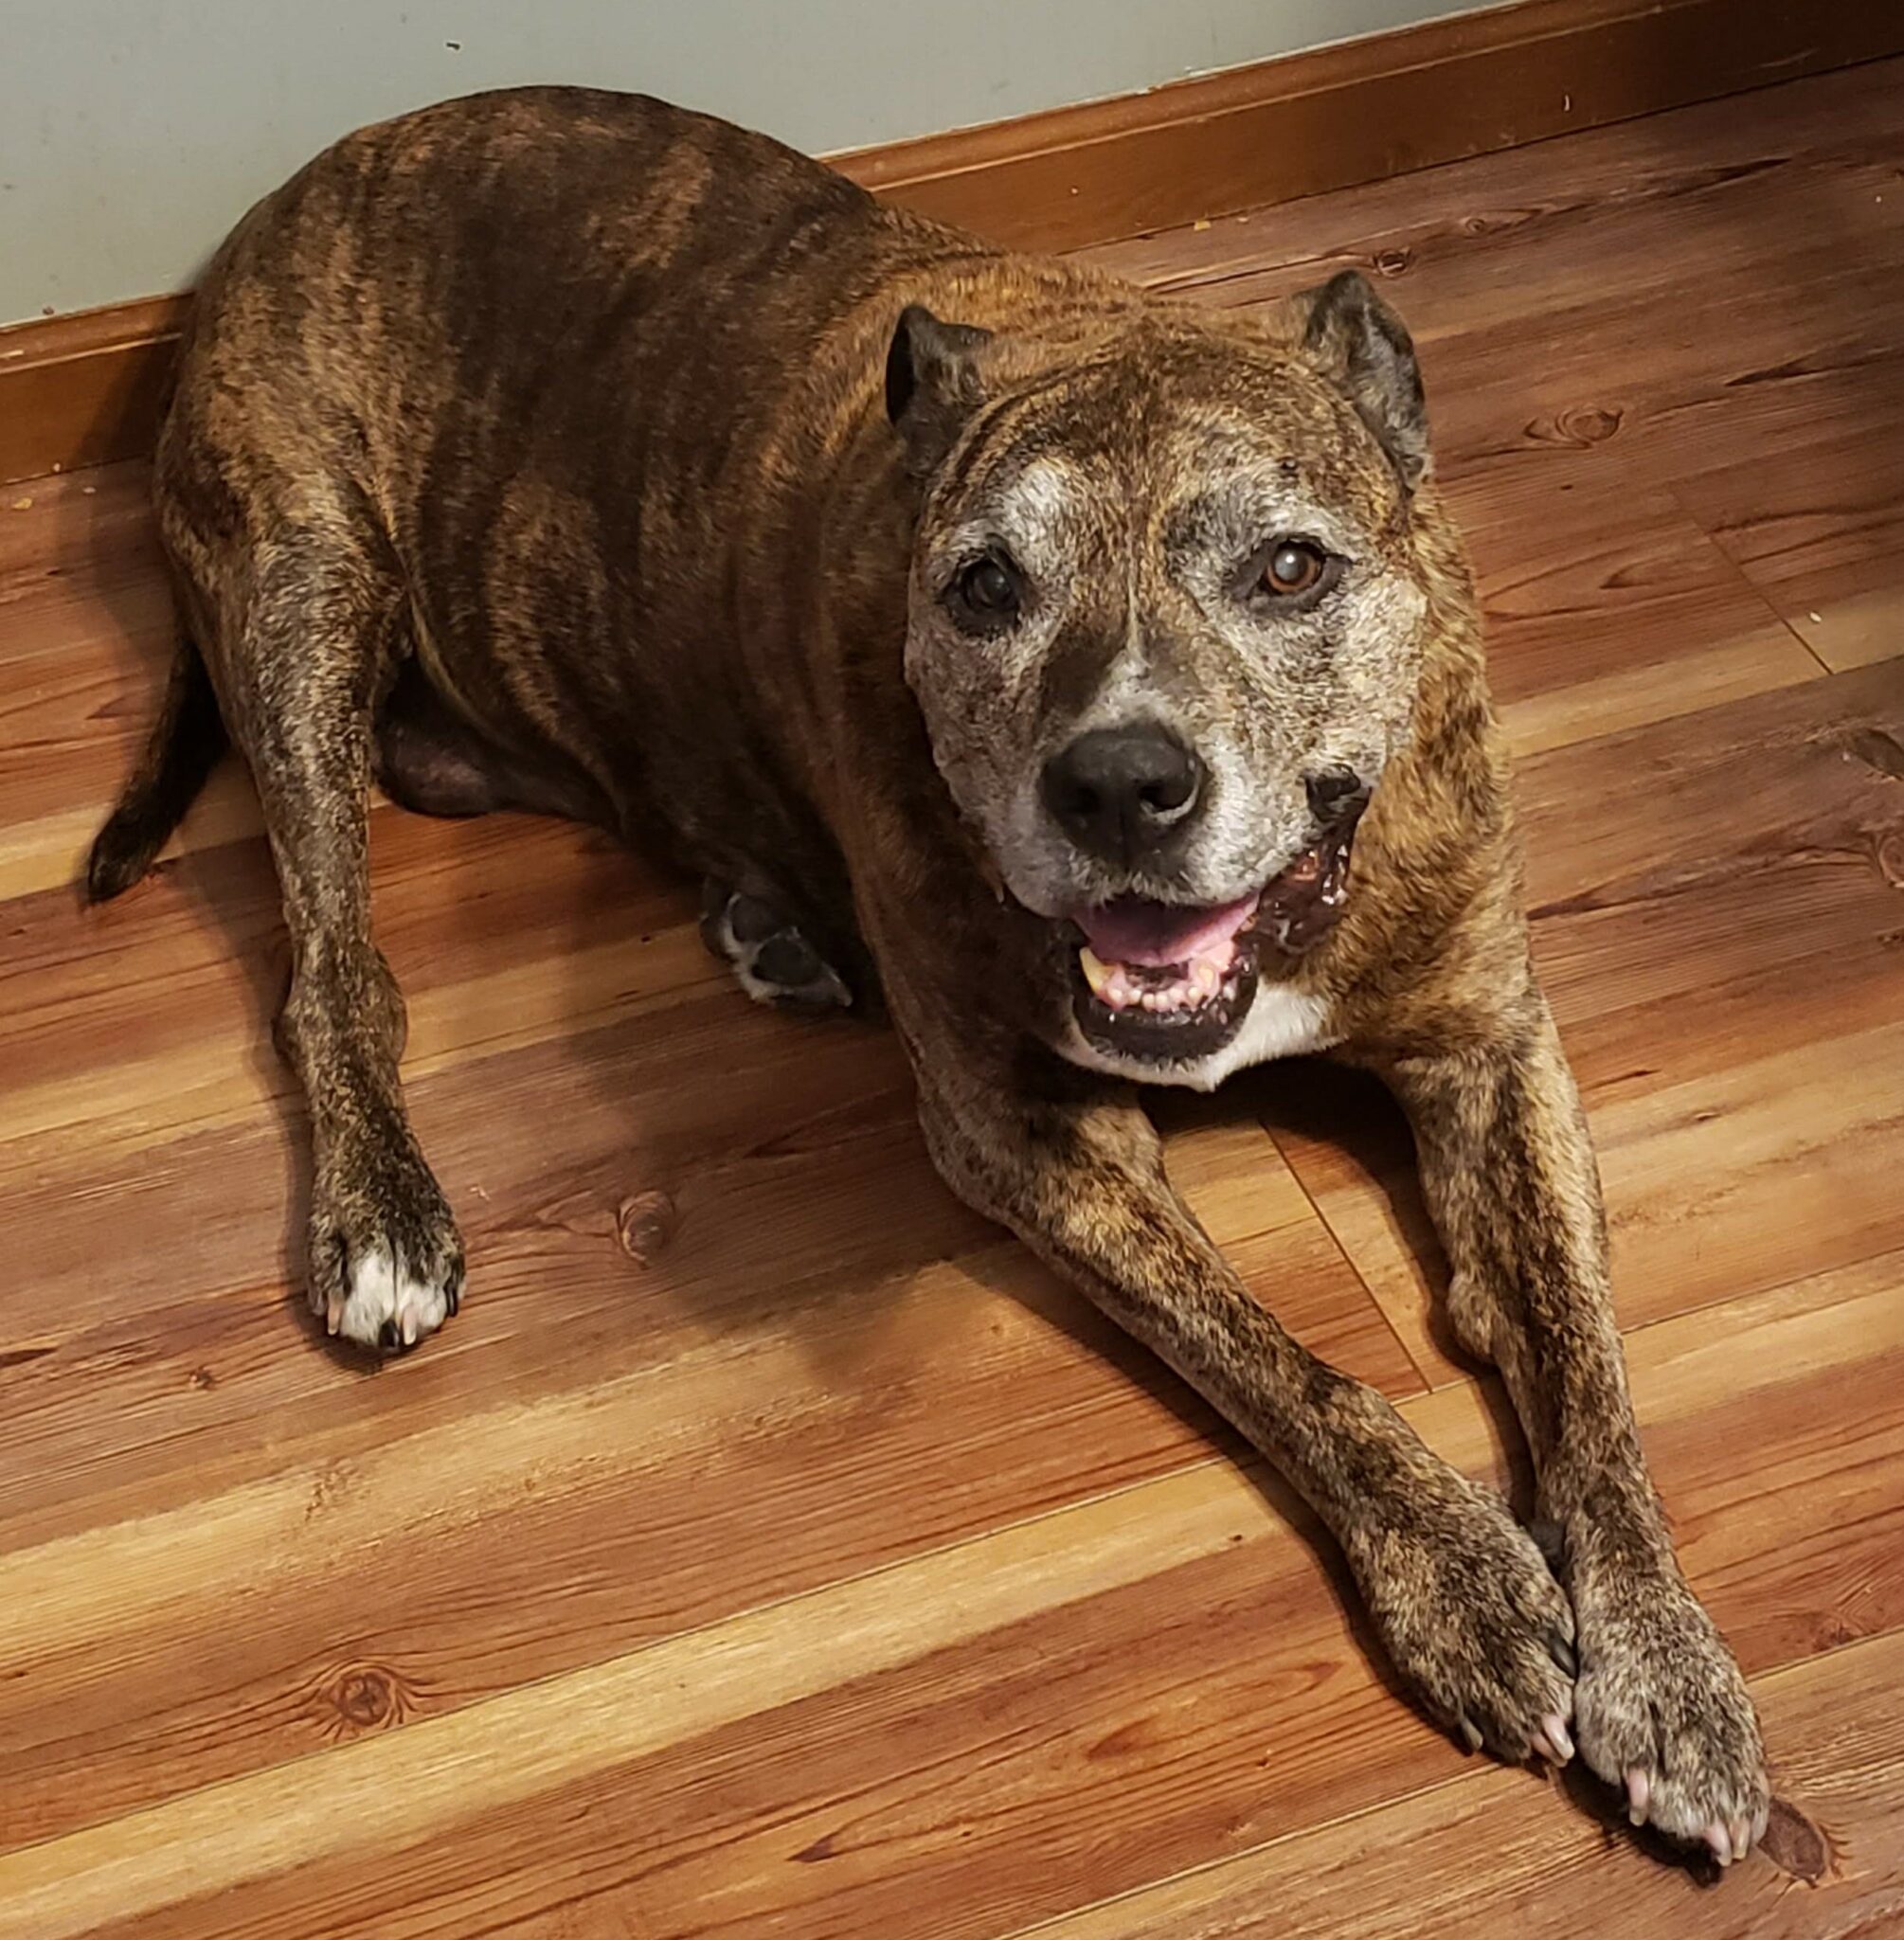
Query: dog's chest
1282 1022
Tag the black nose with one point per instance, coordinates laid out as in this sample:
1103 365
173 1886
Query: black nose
1119 792
1337 794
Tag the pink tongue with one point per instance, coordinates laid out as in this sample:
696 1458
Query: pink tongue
1153 934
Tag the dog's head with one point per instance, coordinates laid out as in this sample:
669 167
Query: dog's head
1166 631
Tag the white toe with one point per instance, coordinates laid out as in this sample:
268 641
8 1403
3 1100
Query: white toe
382 1291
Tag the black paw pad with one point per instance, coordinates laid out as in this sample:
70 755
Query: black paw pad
771 957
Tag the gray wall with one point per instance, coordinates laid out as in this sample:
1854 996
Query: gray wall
133 133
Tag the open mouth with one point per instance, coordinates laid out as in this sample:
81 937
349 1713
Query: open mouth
1167 982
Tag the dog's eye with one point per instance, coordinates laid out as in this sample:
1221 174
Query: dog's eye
1293 567
988 588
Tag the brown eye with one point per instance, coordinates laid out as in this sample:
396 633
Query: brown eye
1294 567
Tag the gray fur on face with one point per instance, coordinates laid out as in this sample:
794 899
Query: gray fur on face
1138 575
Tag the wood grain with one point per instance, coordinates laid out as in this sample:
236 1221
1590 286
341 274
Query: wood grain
87 389
1492 78
771 1548
1002 1728
1409 1868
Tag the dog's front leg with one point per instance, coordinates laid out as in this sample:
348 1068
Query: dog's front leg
1510 1180
1468 1610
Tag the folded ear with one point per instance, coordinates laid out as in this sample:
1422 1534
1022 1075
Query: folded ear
932 383
1365 347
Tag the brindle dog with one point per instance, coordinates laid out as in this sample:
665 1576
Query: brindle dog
996 640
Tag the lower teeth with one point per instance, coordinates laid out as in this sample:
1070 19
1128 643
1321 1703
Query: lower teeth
1117 988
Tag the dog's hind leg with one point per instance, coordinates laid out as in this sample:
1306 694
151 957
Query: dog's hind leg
427 758
307 627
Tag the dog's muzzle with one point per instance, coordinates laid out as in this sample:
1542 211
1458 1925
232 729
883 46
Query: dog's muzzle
1166 983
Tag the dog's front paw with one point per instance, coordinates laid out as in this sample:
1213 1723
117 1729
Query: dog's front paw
1473 1618
1663 1711
386 1262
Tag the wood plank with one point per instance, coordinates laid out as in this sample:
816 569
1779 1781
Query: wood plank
1834 126
1607 606
1821 533
779 1448
1427 1863
72 539
978 1728
1661 859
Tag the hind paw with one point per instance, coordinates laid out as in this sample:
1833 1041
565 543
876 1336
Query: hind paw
771 959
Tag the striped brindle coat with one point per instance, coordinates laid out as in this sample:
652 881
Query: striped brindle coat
1095 684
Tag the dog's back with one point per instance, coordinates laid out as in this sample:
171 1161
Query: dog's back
582 359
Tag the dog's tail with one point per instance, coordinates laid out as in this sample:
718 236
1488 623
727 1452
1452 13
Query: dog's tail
183 747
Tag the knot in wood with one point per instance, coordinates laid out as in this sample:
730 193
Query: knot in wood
645 1224
1579 426
361 1697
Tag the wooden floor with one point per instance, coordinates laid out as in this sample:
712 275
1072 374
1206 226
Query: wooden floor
769 1549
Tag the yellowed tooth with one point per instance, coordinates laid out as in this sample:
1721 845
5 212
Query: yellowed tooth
1096 973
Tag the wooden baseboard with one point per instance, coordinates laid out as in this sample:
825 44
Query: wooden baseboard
1362 110
87 388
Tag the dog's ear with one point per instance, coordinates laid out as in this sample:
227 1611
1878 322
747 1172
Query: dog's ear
932 383
1365 347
